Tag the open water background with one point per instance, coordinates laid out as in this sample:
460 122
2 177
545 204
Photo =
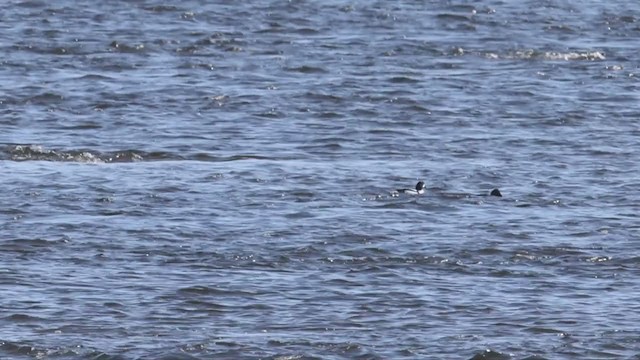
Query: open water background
210 179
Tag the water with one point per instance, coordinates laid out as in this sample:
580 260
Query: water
211 180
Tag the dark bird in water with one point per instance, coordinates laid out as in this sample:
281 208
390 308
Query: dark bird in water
419 190
496 192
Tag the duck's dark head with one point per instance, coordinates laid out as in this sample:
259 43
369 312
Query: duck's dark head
496 192
420 186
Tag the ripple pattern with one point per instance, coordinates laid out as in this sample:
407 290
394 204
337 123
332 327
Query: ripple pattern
212 180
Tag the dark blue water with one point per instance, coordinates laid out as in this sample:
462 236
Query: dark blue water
211 180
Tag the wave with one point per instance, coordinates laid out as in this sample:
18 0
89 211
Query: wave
22 152
530 54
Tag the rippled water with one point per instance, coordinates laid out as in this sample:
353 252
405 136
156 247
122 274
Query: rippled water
205 180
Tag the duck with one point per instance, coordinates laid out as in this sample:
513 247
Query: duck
418 190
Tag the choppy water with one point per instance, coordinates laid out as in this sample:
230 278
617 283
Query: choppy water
210 180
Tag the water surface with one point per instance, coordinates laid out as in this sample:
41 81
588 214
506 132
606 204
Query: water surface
212 180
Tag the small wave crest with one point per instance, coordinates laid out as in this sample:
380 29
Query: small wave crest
37 152
13 350
531 54
22 152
